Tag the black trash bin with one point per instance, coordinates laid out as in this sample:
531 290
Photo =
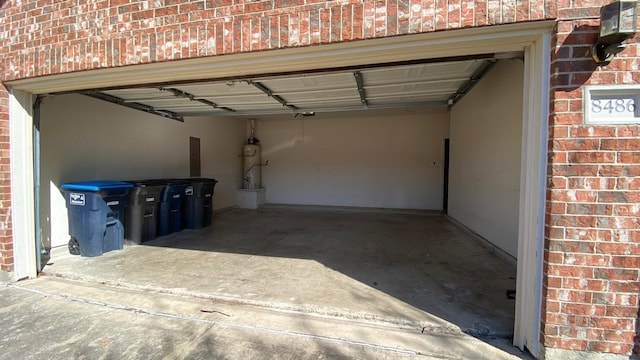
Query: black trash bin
97 210
142 212
198 202
170 206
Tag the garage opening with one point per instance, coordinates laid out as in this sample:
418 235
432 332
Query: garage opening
352 223
356 173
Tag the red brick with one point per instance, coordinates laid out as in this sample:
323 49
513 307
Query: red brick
618 222
558 182
617 311
556 318
618 197
569 94
587 259
555 232
557 207
572 296
619 335
336 24
576 144
585 284
258 6
628 131
629 262
573 221
553 257
629 157
558 157
559 132
609 347
571 271
580 170
595 183
551 330
614 274
620 144
626 300
612 323
552 306
619 248
575 106
392 17
586 247
625 286
564 343
553 281
628 184
567 118
592 157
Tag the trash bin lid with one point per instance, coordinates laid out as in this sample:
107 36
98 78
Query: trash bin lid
96 185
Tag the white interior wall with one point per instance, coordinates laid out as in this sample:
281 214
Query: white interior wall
486 140
383 158
87 139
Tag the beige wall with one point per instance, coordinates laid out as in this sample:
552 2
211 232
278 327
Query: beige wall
486 137
87 139
382 158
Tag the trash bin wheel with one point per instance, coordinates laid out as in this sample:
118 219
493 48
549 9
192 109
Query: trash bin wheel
74 247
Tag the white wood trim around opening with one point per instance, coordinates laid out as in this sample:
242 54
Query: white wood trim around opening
22 184
533 38
532 196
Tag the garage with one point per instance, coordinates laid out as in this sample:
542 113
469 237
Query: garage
391 142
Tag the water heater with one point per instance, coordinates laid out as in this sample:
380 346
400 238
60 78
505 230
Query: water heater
251 165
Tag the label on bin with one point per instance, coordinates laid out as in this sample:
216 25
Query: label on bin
151 199
113 203
176 196
207 195
188 190
76 199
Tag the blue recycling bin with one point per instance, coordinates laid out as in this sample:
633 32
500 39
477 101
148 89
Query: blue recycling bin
198 202
170 206
96 211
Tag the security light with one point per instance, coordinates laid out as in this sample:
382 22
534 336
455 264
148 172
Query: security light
617 24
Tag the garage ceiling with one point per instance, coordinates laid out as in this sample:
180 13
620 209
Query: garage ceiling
437 84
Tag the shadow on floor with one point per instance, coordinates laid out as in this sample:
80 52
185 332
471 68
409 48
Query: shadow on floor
423 260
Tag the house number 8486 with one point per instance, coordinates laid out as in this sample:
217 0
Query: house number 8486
613 106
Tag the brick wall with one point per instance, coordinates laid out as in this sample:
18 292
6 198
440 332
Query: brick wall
49 37
592 256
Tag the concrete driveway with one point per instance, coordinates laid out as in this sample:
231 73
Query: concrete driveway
410 272
52 318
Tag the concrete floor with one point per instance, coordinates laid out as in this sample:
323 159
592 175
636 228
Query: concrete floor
410 270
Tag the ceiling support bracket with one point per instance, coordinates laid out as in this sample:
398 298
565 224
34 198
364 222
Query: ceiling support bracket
183 94
270 94
361 90
469 84
134 105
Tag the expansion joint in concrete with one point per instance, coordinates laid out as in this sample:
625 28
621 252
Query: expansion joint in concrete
227 324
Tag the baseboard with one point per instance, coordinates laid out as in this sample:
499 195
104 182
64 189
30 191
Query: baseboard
505 256
349 209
